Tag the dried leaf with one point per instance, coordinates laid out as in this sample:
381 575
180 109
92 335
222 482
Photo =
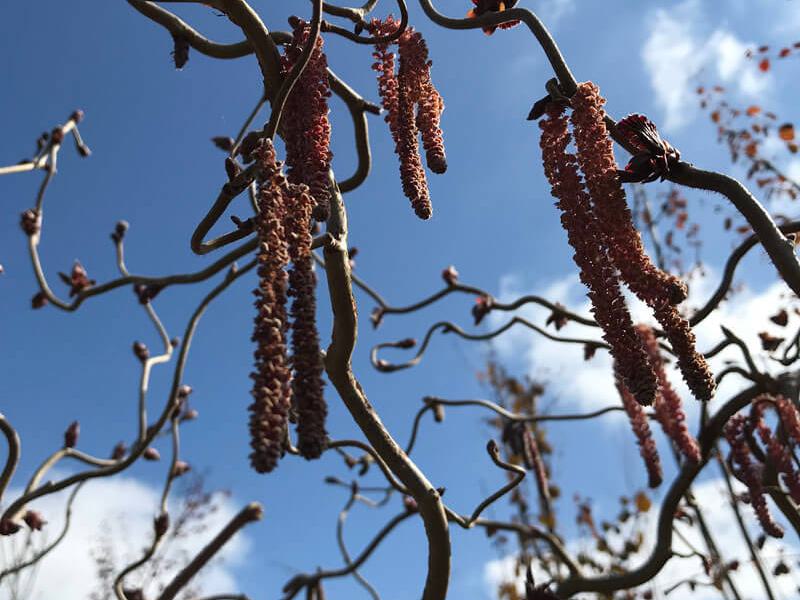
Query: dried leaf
786 132
643 503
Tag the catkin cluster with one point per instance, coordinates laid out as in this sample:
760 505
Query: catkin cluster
597 272
596 206
659 290
283 226
413 107
743 433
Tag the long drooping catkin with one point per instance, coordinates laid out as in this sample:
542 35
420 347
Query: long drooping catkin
305 126
413 107
750 473
596 270
641 429
660 290
307 384
668 406
271 376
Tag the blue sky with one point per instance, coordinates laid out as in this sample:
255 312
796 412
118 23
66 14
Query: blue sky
153 165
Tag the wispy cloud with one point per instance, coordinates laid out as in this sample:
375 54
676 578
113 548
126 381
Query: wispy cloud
678 50
120 510
587 385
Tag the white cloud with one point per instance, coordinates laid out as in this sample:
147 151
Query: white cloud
588 385
721 522
552 11
677 50
120 510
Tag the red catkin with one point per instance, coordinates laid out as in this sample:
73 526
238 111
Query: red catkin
596 158
641 428
591 257
778 453
304 124
668 406
660 290
413 107
750 473
271 376
307 382
534 462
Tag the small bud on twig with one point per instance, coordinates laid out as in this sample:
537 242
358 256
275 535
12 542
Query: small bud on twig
34 520
119 451
119 231
180 468
450 275
71 435
141 351
39 300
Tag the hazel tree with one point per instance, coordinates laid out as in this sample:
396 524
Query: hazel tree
295 242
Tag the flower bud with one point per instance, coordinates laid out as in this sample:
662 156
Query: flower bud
71 435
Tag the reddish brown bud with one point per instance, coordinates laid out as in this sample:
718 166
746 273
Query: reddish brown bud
481 308
450 275
71 435
119 451
30 221
57 135
8 527
180 468
77 116
34 520
224 143
406 343
146 292
39 300
151 453
78 279
140 351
